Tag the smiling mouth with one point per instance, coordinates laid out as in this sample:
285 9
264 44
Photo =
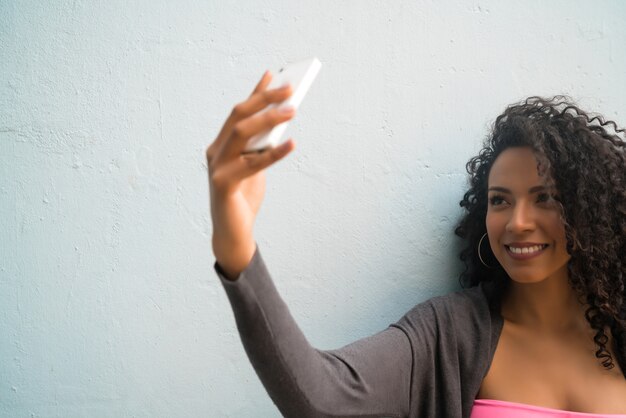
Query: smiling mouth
526 250
523 253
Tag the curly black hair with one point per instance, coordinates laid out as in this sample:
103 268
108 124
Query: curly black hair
584 158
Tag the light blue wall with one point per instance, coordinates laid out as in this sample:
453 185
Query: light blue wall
109 306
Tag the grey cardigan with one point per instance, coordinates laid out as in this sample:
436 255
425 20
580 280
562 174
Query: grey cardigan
430 363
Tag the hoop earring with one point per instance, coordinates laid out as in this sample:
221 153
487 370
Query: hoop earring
479 256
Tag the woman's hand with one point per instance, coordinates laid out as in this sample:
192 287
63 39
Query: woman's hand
236 180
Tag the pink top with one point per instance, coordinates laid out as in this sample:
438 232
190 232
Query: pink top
489 408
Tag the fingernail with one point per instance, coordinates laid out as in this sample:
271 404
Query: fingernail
286 109
284 86
285 145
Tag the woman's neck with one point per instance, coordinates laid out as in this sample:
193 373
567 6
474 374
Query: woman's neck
548 306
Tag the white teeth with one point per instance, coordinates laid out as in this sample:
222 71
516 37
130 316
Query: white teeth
526 250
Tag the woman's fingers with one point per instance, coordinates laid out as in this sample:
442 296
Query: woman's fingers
224 157
245 129
225 131
230 175
258 101
263 82
253 163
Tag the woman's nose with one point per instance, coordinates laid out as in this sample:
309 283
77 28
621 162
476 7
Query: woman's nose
522 219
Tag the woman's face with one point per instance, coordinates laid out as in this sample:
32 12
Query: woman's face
524 223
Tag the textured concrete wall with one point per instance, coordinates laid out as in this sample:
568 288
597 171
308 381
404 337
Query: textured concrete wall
109 306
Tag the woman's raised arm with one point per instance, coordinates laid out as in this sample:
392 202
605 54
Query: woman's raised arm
370 377
236 180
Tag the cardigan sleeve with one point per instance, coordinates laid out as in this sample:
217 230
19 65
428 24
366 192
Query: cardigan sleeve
368 378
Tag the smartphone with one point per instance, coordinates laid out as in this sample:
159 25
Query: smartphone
300 75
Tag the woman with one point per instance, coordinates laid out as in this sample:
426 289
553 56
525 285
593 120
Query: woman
539 329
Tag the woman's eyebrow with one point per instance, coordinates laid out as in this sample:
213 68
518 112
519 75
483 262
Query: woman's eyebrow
533 189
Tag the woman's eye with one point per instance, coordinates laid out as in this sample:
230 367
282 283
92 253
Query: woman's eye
544 197
496 200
